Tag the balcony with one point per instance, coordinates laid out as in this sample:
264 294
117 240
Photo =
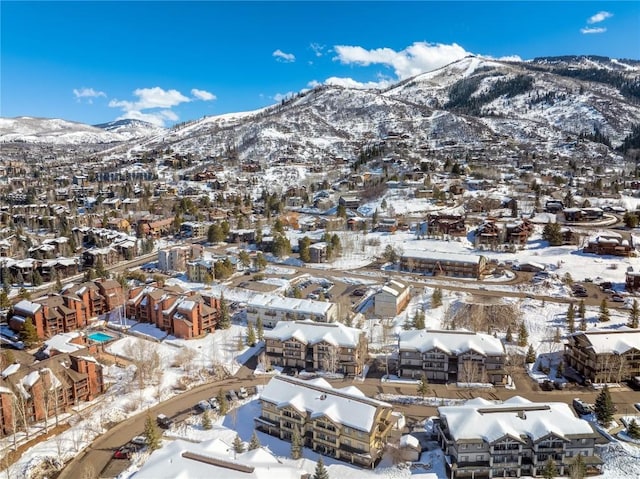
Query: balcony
325 439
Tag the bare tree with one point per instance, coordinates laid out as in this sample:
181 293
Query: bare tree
144 356
331 359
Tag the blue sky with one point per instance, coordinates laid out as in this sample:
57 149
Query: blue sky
168 62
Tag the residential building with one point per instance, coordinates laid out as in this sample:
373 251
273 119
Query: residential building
273 308
309 345
446 224
318 252
175 258
482 439
447 264
610 243
604 355
31 393
391 299
452 356
341 423
632 279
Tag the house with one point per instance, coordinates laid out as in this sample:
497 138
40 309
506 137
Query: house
488 233
518 232
309 345
42 390
349 201
272 308
318 252
452 356
446 264
610 243
512 439
387 225
604 355
553 206
341 423
453 225
632 279
391 299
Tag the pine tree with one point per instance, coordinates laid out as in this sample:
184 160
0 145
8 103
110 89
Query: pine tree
604 312
255 442
556 336
418 320
29 334
251 335
578 469
436 298
531 355
509 336
550 470
4 299
321 471
225 319
523 335
206 421
634 314
423 386
571 318
152 433
223 404
633 429
260 328
582 313
296 444
238 445
604 408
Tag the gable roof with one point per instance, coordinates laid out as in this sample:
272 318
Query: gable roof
451 342
311 332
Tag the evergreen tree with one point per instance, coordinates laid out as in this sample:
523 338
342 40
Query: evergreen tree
556 336
101 271
251 335
509 336
223 404
152 433
37 278
571 319
215 234
604 408
531 355
321 471
552 233
523 335
4 299
225 319
206 421
436 298
633 429
29 334
24 294
390 254
418 320
303 246
582 310
423 386
341 211
634 314
560 369
296 444
550 470
238 445
261 261
408 324
259 328
604 312
578 469
255 442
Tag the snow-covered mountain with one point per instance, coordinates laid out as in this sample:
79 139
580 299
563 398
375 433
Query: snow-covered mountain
63 132
538 106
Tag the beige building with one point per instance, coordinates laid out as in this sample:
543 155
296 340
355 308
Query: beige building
445 264
391 299
341 423
452 356
482 439
605 355
308 345
272 308
175 259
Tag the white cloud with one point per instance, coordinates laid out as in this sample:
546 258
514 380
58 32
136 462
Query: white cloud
351 83
317 49
598 17
155 97
88 93
158 118
413 60
510 58
284 57
588 30
203 95
313 83
283 96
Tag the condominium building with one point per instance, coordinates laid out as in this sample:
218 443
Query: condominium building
605 355
309 345
391 299
482 439
272 308
342 423
446 264
452 356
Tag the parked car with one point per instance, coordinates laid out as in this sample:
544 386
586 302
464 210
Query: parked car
164 421
581 407
214 403
139 441
124 452
358 292
547 385
203 406
242 393
617 298
231 395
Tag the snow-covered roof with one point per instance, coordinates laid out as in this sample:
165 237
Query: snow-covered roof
349 407
310 332
27 306
451 342
517 417
306 306
63 343
441 256
606 341
9 370
395 288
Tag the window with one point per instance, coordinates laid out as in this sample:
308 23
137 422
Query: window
479 457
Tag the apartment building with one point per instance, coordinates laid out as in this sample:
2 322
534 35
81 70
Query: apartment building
604 355
391 299
31 392
341 423
184 314
175 258
482 439
309 345
272 308
445 264
610 243
452 356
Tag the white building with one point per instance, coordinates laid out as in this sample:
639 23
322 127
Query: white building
391 299
272 308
